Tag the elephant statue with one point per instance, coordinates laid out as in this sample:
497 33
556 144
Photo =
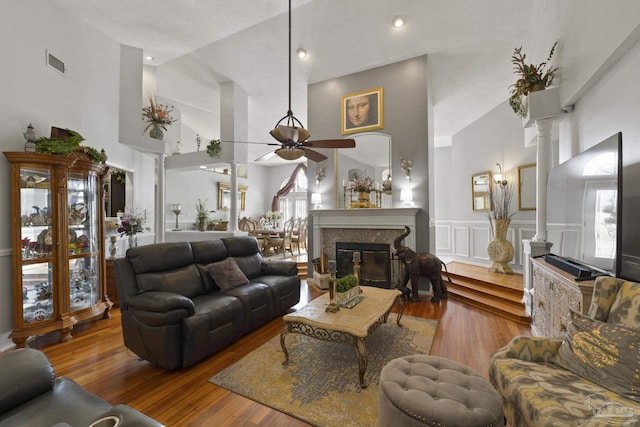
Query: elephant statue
422 264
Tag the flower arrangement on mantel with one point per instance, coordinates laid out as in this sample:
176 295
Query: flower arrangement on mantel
362 185
531 78
157 114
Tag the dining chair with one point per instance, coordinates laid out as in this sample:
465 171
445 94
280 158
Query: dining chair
282 241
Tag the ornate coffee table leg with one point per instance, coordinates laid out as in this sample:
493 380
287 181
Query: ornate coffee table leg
285 331
401 304
361 351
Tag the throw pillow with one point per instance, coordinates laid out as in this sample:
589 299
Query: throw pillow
227 274
625 309
604 353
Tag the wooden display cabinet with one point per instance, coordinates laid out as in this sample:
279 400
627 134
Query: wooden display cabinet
57 231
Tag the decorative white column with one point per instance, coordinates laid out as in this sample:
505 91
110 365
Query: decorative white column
160 193
543 107
542 168
233 197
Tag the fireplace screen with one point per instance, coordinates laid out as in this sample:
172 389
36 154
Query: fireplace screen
375 262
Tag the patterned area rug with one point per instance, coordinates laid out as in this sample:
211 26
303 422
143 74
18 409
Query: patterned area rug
320 384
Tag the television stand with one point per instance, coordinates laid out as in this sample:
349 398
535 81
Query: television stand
555 294
570 266
592 277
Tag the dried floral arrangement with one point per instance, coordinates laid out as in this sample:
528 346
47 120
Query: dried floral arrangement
157 113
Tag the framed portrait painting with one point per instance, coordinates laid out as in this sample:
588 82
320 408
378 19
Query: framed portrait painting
362 111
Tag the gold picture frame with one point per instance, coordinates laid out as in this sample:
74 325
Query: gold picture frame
224 190
527 187
362 111
481 191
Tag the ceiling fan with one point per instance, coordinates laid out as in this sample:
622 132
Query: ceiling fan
294 138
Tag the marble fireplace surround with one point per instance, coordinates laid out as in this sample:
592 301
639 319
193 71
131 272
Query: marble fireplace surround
360 225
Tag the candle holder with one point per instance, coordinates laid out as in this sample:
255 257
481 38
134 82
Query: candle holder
356 265
177 209
332 307
113 249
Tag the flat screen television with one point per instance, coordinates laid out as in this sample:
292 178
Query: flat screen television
629 230
584 207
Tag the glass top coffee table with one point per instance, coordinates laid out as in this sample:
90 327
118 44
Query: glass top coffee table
348 326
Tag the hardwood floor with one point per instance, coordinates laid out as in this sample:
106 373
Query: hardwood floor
97 359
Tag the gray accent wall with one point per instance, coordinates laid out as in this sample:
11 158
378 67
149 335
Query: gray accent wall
405 103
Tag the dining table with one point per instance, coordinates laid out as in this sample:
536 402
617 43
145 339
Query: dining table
264 234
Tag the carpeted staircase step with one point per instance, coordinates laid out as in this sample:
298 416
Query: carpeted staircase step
493 292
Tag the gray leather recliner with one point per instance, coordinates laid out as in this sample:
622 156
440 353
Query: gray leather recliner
31 395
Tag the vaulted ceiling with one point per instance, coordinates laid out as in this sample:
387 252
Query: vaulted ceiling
199 44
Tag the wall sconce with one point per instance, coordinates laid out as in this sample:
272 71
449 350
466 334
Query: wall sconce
499 178
320 171
316 200
406 195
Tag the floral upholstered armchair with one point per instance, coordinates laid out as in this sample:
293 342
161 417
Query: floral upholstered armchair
591 377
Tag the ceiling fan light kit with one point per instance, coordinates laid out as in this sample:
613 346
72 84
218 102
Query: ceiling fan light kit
293 137
290 153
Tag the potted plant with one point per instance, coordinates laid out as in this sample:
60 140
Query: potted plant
500 250
531 78
202 215
67 142
158 117
214 148
347 289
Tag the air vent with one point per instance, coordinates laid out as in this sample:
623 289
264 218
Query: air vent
55 63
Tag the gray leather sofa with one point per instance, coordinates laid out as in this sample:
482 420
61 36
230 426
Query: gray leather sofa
31 395
174 313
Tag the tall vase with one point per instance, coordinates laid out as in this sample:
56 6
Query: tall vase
500 250
133 241
156 131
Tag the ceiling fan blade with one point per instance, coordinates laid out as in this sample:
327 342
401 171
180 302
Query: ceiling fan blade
252 142
267 156
332 143
314 155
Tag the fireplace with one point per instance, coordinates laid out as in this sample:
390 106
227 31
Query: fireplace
375 262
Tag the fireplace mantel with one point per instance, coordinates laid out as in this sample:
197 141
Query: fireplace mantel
362 219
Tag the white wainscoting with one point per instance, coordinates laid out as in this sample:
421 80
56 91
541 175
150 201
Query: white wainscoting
467 241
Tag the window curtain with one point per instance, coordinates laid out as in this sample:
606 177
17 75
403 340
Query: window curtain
275 204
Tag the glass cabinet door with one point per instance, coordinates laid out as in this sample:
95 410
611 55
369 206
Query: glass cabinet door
36 244
84 286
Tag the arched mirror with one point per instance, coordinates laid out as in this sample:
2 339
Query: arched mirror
371 157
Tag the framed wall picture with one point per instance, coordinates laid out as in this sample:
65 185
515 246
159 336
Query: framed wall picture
481 191
362 111
527 187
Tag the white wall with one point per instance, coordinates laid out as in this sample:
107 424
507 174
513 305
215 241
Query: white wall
598 72
461 233
85 99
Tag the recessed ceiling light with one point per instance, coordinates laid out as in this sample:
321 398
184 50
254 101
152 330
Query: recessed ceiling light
149 58
301 52
398 21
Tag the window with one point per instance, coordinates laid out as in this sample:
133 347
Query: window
294 204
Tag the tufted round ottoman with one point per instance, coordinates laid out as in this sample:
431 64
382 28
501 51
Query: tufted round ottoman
423 390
